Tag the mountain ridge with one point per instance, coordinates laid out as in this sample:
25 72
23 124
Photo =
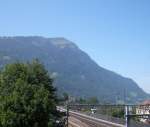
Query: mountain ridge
74 70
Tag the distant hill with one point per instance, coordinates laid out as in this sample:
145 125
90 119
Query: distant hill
74 71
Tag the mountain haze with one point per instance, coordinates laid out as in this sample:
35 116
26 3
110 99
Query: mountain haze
73 70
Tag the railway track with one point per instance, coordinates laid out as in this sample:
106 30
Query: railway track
77 119
91 121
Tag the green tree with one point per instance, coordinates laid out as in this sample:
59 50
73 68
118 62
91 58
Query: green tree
119 113
82 101
93 100
65 97
27 97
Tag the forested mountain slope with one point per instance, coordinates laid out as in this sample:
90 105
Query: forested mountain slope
73 70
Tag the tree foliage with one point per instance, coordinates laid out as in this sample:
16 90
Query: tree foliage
65 96
27 97
119 113
93 100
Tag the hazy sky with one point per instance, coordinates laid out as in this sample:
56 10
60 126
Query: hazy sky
115 33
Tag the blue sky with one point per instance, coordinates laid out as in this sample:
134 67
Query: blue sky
115 33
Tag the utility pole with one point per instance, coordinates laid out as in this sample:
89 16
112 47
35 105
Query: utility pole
127 116
125 96
67 115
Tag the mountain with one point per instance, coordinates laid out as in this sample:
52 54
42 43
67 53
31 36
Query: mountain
73 70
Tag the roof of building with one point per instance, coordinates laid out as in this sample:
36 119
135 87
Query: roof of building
146 102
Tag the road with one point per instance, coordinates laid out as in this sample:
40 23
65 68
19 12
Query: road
81 120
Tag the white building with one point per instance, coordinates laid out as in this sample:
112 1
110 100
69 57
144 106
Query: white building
144 108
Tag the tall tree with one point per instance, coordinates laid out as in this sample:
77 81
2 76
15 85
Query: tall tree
27 97
93 100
